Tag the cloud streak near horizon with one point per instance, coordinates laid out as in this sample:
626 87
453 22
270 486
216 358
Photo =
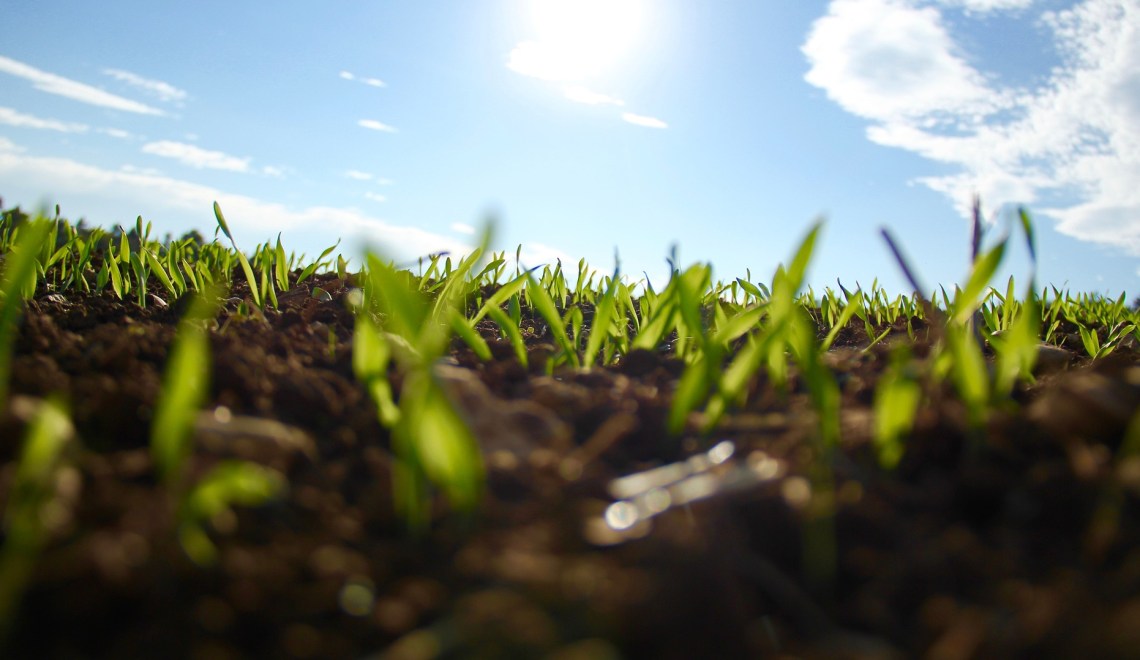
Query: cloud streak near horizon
196 157
11 117
248 215
1069 147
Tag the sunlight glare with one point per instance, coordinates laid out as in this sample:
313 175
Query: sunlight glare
577 40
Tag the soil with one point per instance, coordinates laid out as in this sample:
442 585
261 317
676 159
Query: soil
1020 539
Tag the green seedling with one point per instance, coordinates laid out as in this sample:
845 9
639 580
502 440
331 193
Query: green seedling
17 285
185 384
184 389
254 290
227 484
546 307
431 441
604 314
33 506
896 402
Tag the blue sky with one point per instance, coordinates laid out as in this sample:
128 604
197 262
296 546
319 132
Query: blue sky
723 127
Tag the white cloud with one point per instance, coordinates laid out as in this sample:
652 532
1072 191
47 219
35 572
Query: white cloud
983 6
371 82
376 125
889 60
584 95
249 217
20 120
165 92
134 169
375 197
273 172
381 181
117 133
462 228
196 157
52 84
539 254
357 175
643 120
1075 137
9 147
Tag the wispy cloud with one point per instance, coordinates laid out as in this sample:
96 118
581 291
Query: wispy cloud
375 197
117 133
983 6
51 83
376 125
371 82
1076 137
462 228
12 117
9 147
643 120
357 175
585 95
273 172
248 216
164 91
196 157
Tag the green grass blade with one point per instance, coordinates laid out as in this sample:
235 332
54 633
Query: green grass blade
31 491
157 269
502 295
18 277
511 330
469 335
968 300
222 224
544 304
184 387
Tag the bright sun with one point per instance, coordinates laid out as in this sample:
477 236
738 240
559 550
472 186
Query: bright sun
577 40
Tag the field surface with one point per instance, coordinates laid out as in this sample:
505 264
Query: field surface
1013 534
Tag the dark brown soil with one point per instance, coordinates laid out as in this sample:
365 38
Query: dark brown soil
1021 540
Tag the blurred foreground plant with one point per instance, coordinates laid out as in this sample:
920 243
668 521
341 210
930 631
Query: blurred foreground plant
184 389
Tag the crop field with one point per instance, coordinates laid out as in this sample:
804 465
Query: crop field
206 453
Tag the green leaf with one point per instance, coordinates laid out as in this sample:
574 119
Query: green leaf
184 387
222 224
311 268
603 315
896 402
254 292
158 270
500 296
228 484
282 275
968 370
31 491
407 309
469 335
1091 341
854 306
544 304
511 330
967 301
691 391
